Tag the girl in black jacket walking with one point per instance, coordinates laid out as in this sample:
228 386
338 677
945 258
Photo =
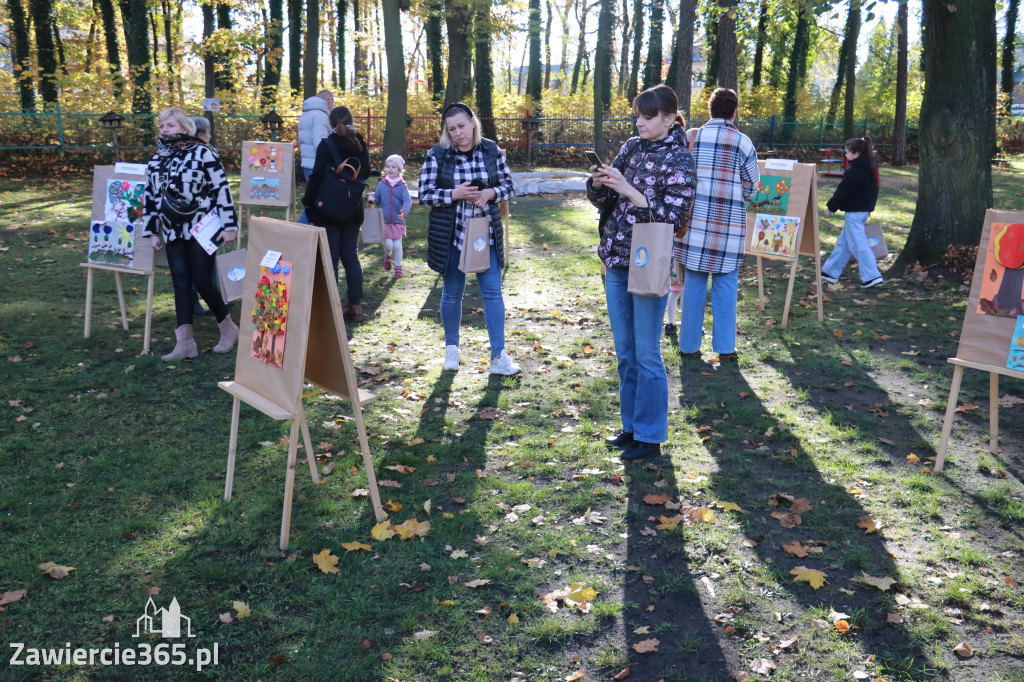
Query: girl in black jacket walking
342 234
855 196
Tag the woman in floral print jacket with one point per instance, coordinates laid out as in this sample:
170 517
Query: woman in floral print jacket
653 179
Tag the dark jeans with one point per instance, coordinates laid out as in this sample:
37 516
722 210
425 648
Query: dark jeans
190 265
342 240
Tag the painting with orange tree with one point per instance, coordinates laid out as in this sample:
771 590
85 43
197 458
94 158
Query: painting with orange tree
1002 282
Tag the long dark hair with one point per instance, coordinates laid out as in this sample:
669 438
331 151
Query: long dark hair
340 119
660 99
862 146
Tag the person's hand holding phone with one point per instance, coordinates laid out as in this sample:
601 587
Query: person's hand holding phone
597 174
465 191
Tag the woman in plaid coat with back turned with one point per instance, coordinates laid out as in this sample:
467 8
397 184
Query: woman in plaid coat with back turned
726 176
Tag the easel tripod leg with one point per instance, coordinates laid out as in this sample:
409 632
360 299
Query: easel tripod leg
947 422
149 313
120 300
229 476
308 442
88 301
289 484
993 412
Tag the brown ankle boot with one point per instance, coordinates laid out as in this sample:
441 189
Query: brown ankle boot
353 313
185 347
228 336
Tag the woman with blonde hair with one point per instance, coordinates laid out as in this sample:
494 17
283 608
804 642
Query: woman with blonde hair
185 182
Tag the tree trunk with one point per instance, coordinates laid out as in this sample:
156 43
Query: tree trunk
603 71
398 95
958 129
655 59
46 51
852 32
274 54
624 48
778 56
632 87
435 50
342 63
581 47
311 60
797 66
110 40
762 36
136 31
209 58
714 56
547 47
844 52
156 39
534 77
22 54
225 77
295 46
456 18
728 69
61 63
484 70
684 55
1009 56
899 130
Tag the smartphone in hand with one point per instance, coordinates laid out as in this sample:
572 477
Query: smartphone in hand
478 183
595 160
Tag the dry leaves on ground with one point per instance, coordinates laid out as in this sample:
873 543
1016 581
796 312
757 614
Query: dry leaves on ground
55 571
813 577
326 562
647 646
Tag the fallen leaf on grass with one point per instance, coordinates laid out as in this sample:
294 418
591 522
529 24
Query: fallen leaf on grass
579 593
647 646
966 407
868 524
656 499
801 551
477 583
393 506
326 562
226 617
787 520
894 618
361 492
459 554
56 571
1009 401
382 531
401 468
513 619
623 674
668 523
489 413
729 506
12 596
913 459
800 505
964 650
578 675
423 634
241 608
881 583
412 528
1010 581
764 666
815 578
354 545
842 625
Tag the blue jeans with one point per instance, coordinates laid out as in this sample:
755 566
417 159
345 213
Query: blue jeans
302 216
724 292
494 305
853 243
643 384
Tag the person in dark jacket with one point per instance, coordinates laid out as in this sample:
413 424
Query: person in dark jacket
855 196
466 176
653 179
342 235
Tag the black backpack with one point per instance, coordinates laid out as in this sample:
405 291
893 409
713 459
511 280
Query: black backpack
340 199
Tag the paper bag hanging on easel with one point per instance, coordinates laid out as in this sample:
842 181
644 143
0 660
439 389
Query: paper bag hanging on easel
372 229
230 274
650 259
876 240
476 247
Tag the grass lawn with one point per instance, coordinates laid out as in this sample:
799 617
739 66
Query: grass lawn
113 463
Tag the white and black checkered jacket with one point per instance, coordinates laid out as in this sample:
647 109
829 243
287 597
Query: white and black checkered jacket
196 171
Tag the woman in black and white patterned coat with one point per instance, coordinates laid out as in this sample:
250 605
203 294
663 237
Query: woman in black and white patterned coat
187 167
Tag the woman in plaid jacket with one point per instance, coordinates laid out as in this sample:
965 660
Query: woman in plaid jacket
651 180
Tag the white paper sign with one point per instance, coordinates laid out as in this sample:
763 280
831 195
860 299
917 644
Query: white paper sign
270 259
211 104
779 164
130 168
206 229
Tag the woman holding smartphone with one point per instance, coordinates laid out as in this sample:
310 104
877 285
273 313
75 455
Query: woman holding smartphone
653 179
466 176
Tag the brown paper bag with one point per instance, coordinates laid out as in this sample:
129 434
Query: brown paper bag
372 229
876 240
476 247
650 259
230 273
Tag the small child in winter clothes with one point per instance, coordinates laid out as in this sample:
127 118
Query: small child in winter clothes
392 195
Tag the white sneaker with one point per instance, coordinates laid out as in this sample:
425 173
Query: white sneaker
873 283
503 365
451 359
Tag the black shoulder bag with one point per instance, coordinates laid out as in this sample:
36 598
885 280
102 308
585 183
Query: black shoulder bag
340 198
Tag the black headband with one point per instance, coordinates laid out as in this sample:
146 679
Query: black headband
457 105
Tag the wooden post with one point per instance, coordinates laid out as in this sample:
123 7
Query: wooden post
289 479
993 412
947 422
120 300
88 301
229 477
147 330
760 284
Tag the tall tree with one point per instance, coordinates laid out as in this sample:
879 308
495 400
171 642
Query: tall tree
484 69
582 10
547 46
849 42
136 30
22 55
714 56
342 10
359 46
762 37
457 18
852 29
435 50
311 60
797 69
294 46
627 31
534 77
899 129
655 60
274 54
46 51
1009 55
728 68
957 131
638 38
779 52
603 72
682 59
110 39
225 57
398 93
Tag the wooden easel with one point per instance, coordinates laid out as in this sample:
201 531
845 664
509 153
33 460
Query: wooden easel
802 203
141 264
985 339
316 352
279 166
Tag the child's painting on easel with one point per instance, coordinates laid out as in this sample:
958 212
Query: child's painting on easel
772 195
270 314
1015 359
774 236
1002 282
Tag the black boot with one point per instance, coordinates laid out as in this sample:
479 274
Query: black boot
640 450
620 440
